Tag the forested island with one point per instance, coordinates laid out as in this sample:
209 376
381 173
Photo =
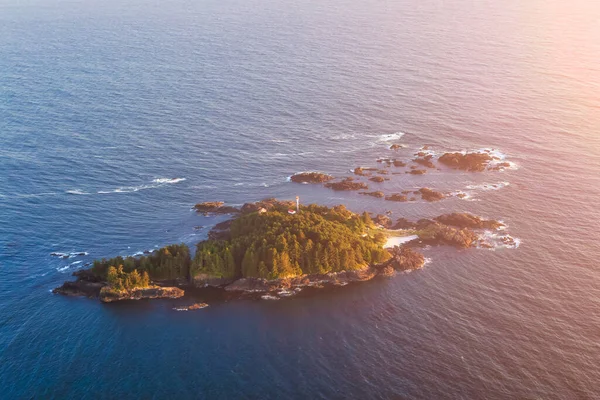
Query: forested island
270 247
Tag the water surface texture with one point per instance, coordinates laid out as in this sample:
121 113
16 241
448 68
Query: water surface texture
117 116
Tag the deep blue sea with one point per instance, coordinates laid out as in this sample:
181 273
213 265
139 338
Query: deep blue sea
117 116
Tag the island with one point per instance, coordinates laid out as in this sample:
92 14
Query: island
272 250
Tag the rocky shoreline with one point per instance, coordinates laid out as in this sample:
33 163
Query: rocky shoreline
87 285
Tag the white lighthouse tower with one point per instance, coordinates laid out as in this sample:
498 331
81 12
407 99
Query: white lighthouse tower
297 204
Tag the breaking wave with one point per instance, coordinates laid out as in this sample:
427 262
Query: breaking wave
391 137
489 186
69 255
493 241
156 183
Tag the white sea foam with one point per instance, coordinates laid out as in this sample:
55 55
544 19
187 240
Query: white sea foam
77 192
344 136
60 255
286 293
427 151
391 137
494 240
489 186
203 187
168 180
269 297
470 192
69 255
461 195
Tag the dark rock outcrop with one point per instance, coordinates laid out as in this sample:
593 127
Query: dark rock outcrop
346 184
382 220
386 271
259 285
424 223
425 162
440 234
398 163
397 197
500 166
215 207
404 259
377 179
204 280
466 220
417 171
87 284
109 295
311 177
80 288
220 231
397 146
475 162
373 194
431 195
403 223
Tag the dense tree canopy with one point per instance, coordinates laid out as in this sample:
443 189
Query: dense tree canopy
273 244
121 280
169 262
276 244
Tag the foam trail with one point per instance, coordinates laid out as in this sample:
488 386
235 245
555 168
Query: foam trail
168 180
158 182
76 192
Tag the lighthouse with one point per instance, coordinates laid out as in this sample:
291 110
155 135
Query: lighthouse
297 204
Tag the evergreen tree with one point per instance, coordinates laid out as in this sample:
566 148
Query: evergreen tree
112 275
366 219
145 279
263 271
286 268
136 279
274 262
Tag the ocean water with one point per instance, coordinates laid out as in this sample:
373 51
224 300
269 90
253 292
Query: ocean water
117 116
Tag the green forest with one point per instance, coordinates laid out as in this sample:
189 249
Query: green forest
272 245
170 262
269 245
